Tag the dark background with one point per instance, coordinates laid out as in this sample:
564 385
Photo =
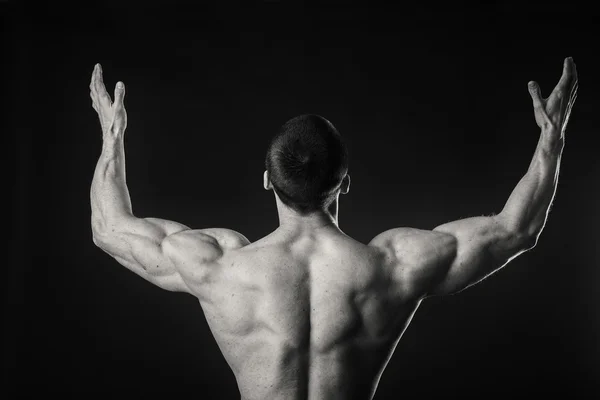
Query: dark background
434 106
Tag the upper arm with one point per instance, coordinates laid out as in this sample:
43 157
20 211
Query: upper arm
452 256
483 246
152 248
139 245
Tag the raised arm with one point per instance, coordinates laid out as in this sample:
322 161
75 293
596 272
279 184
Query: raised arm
136 243
459 254
150 247
483 245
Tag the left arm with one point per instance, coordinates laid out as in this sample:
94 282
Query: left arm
136 243
461 253
486 244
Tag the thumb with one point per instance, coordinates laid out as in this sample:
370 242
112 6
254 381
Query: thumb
119 94
534 91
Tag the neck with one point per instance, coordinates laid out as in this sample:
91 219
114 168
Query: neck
292 220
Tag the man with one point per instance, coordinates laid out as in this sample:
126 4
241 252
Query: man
308 312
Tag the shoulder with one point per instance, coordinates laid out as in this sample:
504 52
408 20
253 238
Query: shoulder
413 241
207 244
416 258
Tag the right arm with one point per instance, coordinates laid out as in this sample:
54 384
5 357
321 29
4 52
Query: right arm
459 254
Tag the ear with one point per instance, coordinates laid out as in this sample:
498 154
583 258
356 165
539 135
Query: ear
345 187
266 181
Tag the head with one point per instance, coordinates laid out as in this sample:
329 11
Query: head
307 164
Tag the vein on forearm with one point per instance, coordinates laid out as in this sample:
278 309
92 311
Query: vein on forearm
109 194
529 204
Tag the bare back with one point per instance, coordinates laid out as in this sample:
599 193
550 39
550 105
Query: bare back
311 313
301 316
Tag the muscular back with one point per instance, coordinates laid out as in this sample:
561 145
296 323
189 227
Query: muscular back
312 315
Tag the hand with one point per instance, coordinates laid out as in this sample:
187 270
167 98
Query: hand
113 117
552 114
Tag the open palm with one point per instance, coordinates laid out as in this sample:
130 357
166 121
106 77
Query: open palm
113 117
552 114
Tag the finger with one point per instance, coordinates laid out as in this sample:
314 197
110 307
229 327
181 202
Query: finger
574 91
573 94
93 79
568 112
574 71
100 88
119 94
567 75
94 105
534 92
572 100
571 104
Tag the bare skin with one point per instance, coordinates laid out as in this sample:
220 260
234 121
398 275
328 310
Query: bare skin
308 312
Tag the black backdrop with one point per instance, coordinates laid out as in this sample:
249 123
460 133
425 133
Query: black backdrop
434 106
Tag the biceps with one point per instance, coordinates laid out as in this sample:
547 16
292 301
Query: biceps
484 245
137 244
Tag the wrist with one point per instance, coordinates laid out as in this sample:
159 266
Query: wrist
110 144
552 140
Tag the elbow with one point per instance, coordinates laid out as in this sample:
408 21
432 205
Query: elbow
98 232
533 235
522 240
526 240
98 237
103 240
530 242
104 232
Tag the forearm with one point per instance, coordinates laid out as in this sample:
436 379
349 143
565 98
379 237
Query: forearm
527 208
109 194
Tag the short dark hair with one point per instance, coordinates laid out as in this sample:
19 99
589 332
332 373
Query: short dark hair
306 162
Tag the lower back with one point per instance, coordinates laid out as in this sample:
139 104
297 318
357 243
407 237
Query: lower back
344 372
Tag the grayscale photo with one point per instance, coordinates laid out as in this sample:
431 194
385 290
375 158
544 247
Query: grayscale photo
282 200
